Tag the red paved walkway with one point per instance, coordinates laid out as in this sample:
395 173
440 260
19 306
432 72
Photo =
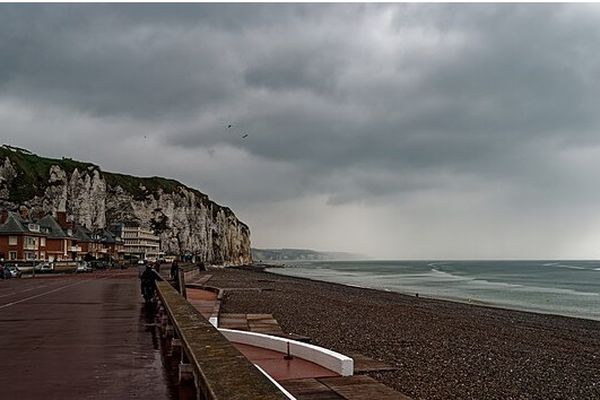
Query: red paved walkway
204 301
78 337
281 369
271 361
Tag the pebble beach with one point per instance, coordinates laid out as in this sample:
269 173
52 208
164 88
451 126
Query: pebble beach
441 349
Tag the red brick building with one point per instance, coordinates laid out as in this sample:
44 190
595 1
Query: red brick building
53 239
21 239
59 244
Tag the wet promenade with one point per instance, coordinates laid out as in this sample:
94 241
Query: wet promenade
79 337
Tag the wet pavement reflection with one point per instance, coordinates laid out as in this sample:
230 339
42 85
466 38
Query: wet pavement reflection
169 360
83 338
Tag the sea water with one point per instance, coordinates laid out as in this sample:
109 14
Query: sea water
569 288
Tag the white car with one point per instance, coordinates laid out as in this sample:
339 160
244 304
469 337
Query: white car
44 267
83 266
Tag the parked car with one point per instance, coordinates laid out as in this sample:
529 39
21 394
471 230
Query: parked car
13 270
45 267
83 266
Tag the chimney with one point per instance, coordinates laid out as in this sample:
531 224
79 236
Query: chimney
3 216
61 218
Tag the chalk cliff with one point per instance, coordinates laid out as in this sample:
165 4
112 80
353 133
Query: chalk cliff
185 219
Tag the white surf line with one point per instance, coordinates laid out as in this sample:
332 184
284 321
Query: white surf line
45 293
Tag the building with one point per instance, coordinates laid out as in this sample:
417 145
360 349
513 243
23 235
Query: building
59 243
138 242
86 246
111 246
20 239
59 239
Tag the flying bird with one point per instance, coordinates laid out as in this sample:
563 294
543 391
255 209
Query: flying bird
228 126
244 136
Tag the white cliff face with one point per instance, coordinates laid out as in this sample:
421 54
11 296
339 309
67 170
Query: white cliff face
185 219
7 174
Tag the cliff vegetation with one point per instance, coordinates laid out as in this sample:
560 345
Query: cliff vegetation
185 219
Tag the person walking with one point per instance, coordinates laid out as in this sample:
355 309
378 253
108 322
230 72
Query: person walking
147 283
174 270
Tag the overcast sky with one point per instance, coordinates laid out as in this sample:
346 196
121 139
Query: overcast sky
430 131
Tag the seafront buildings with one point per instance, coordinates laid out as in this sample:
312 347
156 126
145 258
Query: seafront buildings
57 238
138 242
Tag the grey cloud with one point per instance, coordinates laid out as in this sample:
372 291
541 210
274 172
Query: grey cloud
365 104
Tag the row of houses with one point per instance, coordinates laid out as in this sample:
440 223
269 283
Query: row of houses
55 238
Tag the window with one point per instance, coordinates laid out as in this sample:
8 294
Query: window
43 242
29 255
12 255
12 240
31 243
33 227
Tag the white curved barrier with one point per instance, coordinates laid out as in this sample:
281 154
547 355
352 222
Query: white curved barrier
329 359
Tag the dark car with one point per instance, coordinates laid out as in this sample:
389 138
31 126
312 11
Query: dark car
13 270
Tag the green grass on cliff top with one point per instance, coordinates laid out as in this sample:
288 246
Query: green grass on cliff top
33 174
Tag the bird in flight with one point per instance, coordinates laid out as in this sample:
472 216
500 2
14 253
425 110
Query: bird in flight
244 136
229 126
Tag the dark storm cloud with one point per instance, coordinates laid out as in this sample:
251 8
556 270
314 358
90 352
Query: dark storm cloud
460 88
366 104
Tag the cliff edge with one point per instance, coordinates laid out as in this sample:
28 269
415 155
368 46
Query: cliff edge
185 219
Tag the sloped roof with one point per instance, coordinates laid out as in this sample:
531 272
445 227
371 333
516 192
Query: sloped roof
55 231
106 236
82 234
14 224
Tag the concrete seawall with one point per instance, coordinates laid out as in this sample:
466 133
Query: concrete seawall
219 370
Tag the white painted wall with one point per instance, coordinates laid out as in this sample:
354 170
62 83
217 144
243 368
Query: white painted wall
329 359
